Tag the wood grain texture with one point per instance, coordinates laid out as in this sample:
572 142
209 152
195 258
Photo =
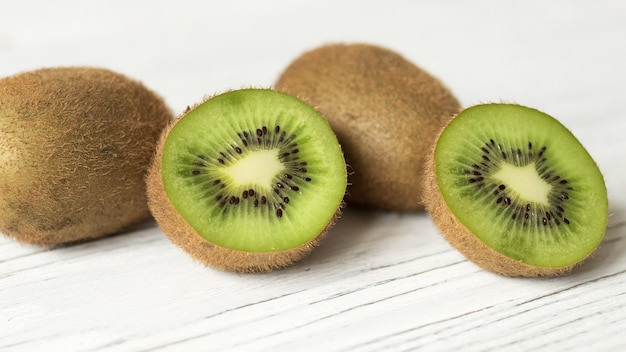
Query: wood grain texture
381 281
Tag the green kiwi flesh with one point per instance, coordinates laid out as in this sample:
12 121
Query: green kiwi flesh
515 191
255 176
75 145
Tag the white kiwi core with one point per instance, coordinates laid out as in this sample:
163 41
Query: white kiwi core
258 168
525 181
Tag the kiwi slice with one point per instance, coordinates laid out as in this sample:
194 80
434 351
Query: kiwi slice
514 191
75 145
385 111
249 180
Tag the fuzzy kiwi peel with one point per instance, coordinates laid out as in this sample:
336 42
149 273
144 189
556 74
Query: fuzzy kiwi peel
514 191
249 180
385 111
75 144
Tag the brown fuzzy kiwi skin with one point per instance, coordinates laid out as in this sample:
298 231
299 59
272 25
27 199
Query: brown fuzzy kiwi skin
209 254
75 145
462 238
384 111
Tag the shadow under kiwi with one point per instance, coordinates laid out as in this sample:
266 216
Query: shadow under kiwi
119 236
347 232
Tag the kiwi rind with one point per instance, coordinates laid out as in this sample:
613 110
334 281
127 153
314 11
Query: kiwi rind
475 249
75 145
199 247
383 108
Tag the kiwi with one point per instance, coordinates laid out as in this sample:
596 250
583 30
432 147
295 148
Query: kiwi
385 112
515 192
248 181
75 145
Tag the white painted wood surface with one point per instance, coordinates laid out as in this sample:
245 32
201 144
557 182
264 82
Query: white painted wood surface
382 281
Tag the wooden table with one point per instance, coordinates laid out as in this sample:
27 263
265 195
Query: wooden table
382 280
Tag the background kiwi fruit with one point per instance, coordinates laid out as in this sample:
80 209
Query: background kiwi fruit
514 191
75 144
385 112
249 180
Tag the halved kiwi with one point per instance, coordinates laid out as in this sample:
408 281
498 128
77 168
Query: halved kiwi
514 191
249 180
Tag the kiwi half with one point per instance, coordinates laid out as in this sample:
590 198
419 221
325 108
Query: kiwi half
514 191
249 180
385 112
75 145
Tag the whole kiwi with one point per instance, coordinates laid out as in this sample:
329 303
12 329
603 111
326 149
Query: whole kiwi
75 145
385 111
